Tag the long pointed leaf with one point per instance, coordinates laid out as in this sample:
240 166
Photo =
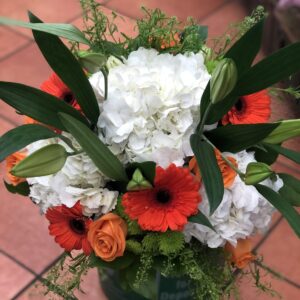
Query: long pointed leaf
202 219
278 66
235 138
243 53
292 155
211 175
103 158
63 62
67 31
19 137
287 210
36 104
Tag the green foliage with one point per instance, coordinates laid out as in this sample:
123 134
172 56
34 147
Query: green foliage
134 246
144 270
132 225
237 30
168 243
65 277
210 171
21 189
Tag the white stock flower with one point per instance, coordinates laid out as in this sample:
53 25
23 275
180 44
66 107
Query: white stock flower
152 105
242 212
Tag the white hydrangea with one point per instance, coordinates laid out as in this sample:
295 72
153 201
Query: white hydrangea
152 106
78 180
242 212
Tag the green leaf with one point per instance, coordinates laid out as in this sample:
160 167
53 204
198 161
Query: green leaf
235 138
293 155
21 189
246 48
285 130
202 219
119 263
103 158
290 194
36 104
147 167
19 137
265 155
287 210
243 53
45 161
211 175
290 189
65 65
278 66
67 31
92 62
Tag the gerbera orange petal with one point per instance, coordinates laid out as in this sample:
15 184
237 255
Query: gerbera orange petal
250 109
69 227
173 199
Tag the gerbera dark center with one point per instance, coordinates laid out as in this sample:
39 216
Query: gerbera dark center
77 225
68 97
163 196
239 105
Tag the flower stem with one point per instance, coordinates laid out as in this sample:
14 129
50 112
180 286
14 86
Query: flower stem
229 163
202 122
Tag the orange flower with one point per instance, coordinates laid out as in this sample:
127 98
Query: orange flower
174 197
11 161
70 227
250 109
227 172
28 120
172 43
193 167
241 254
107 236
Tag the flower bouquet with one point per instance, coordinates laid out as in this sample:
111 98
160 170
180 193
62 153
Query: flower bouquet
151 155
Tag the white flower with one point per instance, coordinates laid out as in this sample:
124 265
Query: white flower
78 180
152 105
242 212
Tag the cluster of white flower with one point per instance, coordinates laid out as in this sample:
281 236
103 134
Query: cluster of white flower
78 180
242 212
152 106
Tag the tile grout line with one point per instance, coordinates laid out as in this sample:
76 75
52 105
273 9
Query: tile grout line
38 277
19 263
266 236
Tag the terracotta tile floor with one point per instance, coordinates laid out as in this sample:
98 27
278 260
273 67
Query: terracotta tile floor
27 252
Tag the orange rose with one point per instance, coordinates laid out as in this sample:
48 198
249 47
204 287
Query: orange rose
227 172
241 254
193 167
11 161
107 236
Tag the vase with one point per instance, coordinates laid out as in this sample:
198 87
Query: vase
165 288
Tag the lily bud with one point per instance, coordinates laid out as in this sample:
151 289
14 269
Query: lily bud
223 80
45 161
92 62
113 62
257 172
285 130
138 182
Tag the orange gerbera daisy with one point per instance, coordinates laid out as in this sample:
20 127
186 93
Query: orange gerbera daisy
11 161
55 86
173 199
250 109
69 227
